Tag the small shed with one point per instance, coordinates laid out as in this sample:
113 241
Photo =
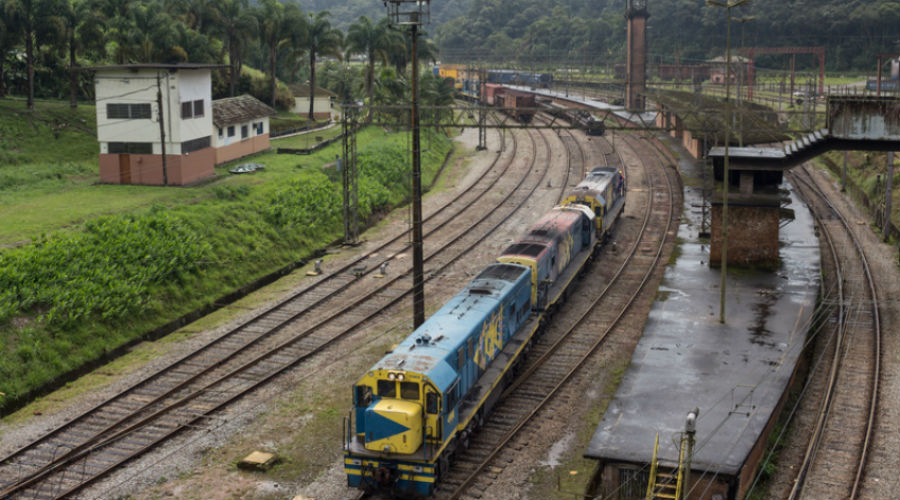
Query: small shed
325 106
241 127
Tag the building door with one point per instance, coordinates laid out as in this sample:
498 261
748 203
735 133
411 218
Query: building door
125 169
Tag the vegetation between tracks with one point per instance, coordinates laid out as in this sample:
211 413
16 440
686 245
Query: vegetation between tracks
77 284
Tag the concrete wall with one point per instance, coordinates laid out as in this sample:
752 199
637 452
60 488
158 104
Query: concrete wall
192 85
322 108
243 148
126 87
702 487
669 119
147 169
752 236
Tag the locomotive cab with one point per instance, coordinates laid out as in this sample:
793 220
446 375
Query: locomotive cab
397 412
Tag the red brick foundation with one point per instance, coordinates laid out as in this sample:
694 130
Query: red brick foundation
752 236
147 169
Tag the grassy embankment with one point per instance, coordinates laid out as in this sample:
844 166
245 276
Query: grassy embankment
868 172
86 268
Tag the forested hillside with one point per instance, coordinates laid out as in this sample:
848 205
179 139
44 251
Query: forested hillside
348 11
577 32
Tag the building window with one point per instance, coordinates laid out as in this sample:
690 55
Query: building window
260 130
135 148
220 132
128 111
244 131
194 145
231 131
192 109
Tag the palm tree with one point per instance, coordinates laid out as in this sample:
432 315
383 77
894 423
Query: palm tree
279 24
376 41
237 24
37 22
8 38
437 92
83 30
321 39
426 50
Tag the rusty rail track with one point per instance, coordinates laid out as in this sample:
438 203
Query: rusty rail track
558 357
835 459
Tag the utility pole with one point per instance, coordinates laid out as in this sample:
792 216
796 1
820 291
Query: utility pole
725 184
162 129
350 176
418 14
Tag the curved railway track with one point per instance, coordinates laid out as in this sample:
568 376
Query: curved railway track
558 356
834 463
184 393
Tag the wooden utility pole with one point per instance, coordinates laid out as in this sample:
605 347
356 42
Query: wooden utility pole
162 129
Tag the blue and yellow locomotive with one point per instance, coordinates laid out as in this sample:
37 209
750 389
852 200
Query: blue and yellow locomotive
419 404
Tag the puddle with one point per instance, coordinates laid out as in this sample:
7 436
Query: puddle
557 450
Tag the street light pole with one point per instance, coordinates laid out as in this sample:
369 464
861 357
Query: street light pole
725 184
741 82
413 13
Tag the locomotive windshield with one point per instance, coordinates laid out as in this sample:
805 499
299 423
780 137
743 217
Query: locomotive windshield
408 390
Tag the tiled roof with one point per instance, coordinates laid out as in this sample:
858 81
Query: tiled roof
239 109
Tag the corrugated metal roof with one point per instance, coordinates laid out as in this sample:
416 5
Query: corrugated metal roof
242 108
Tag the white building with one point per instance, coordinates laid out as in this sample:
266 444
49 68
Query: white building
324 106
241 127
129 117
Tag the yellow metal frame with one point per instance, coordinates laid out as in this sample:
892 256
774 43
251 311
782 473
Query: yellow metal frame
651 484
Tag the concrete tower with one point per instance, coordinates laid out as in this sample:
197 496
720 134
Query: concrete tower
636 65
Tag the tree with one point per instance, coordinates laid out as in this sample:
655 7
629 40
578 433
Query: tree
37 22
83 23
321 39
376 41
279 24
238 25
8 39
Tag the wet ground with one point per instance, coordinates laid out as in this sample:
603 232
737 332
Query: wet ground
734 372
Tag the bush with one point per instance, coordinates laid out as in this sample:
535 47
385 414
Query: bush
105 271
309 202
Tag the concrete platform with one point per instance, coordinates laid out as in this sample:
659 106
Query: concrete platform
736 373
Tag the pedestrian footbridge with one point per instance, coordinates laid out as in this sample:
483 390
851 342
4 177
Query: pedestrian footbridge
853 123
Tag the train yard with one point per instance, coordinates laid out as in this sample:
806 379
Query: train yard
358 303
177 398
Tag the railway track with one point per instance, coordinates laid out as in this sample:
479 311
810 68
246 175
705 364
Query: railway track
557 357
182 395
833 465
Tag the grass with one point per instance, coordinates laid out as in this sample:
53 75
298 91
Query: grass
867 171
251 224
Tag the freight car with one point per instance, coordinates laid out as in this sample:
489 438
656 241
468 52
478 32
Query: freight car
520 105
514 77
580 117
419 405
